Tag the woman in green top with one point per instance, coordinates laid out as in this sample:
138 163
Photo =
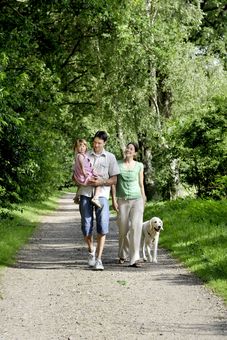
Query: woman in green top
128 200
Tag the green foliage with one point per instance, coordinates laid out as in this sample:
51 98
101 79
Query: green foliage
68 69
33 148
219 188
202 149
195 231
213 32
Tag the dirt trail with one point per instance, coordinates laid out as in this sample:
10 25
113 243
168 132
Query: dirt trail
52 294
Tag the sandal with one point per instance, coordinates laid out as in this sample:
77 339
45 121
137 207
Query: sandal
121 261
135 265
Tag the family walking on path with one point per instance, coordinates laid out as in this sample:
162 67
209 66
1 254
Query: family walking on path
51 294
99 169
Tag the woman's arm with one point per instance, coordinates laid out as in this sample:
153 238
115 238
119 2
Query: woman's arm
141 184
114 198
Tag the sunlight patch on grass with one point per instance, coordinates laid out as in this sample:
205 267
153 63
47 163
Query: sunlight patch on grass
195 231
219 287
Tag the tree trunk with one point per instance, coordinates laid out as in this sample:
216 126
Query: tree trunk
175 179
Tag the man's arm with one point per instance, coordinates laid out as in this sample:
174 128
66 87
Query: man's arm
103 182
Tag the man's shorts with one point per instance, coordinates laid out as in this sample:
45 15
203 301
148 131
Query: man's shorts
87 216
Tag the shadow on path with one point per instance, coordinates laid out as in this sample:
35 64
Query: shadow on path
58 244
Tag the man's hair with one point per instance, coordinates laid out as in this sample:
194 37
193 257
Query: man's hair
102 135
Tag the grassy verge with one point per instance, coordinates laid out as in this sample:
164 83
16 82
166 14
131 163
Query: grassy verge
16 230
195 231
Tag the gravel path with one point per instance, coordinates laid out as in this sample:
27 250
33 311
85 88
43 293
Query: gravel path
51 293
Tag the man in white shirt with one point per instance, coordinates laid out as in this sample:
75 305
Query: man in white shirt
105 164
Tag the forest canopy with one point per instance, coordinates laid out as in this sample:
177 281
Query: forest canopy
149 71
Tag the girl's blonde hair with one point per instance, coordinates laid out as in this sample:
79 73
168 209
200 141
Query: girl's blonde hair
78 142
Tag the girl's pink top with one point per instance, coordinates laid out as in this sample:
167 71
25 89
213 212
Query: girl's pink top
78 175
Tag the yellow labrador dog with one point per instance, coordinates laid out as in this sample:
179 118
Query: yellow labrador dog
150 236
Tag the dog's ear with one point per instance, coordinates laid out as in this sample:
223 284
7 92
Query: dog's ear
162 227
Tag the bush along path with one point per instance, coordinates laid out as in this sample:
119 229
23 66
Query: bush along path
50 293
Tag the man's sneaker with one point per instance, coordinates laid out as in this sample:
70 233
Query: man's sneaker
98 265
91 258
96 202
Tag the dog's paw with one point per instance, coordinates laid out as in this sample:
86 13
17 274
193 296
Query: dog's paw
155 261
145 259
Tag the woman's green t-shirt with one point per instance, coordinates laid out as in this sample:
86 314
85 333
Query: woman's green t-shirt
128 181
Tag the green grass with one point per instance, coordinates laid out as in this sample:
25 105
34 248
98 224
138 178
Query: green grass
16 230
195 231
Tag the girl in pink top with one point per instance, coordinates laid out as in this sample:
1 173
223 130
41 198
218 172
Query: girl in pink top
83 170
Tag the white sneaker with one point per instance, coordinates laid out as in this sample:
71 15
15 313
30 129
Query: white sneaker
91 258
98 265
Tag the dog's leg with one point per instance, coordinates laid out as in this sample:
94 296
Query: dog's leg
148 246
143 247
155 248
144 253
